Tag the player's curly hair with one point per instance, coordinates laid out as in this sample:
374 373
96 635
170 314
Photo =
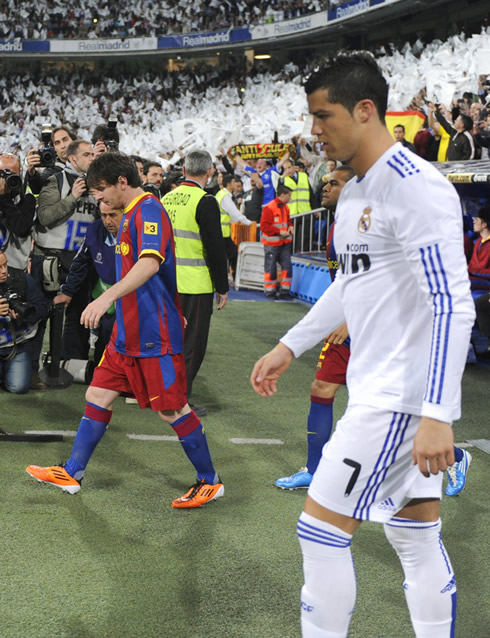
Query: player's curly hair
350 77
108 167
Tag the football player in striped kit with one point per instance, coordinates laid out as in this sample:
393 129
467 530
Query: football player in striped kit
403 290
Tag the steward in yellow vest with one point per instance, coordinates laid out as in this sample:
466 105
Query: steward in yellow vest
200 256
300 198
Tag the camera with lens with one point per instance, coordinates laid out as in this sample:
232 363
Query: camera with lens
25 311
13 182
112 136
47 152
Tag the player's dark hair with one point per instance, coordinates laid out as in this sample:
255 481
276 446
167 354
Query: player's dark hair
108 167
227 178
348 171
282 189
399 126
349 78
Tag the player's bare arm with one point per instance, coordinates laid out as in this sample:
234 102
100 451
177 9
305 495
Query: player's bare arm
139 274
269 368
433 446
338 336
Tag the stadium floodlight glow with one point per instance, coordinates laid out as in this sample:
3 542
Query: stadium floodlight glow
262 56
95 20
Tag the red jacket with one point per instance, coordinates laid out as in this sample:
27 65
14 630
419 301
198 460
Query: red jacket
275 217
480 264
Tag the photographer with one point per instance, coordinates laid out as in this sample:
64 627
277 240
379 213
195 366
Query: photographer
105 137
17 212
66 210
22 306
49 158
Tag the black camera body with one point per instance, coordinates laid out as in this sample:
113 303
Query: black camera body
13 182
47 152
112 136
26 311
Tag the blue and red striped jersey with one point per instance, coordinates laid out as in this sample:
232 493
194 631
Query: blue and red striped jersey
149 321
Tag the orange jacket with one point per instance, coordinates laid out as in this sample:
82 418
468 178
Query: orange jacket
275 217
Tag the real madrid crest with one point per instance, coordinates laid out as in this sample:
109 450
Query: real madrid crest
364 223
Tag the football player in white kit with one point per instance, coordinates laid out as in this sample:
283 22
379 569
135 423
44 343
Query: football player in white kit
402 288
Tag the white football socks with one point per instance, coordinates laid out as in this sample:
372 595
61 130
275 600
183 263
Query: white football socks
329 592
430 584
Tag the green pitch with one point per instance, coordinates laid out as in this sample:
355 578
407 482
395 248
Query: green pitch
117 561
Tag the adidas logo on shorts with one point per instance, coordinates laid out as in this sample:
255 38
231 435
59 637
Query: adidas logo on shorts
387 504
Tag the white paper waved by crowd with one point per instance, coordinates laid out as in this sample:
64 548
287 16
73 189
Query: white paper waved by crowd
50 19
159 111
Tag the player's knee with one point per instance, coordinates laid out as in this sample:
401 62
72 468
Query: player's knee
406 537
323 389
170 416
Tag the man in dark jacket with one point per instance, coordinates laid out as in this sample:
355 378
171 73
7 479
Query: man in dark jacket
461 145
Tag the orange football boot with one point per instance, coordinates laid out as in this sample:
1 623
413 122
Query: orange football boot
199 494
55 475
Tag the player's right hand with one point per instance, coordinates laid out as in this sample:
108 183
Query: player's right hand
269 368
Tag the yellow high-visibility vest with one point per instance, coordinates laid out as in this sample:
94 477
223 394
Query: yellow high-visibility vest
193 277
300 197
225 217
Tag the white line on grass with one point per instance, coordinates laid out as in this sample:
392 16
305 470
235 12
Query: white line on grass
162 437
62 432
257 441
152 437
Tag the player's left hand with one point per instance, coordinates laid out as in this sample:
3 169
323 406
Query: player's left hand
338 336
94 312
433 446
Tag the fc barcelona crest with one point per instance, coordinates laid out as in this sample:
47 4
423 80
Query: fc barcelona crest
364 223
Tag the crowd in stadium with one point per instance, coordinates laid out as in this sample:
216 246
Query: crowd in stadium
216 105
49 19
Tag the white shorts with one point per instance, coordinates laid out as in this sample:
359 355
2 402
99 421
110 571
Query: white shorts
366 470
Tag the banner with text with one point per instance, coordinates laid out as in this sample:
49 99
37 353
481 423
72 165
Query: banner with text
213 38
25 46
289 27
353 8
99 45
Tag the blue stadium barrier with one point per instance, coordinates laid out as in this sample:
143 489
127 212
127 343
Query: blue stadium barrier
310 280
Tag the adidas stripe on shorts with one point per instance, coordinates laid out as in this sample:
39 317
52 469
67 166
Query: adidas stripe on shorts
366 470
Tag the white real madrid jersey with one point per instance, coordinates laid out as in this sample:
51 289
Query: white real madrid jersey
402 287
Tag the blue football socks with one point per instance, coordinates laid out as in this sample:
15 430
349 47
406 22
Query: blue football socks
193 440
91 429
319 429
458 454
